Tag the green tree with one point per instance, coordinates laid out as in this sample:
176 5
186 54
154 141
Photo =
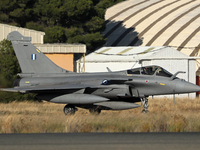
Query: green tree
71 21
9 67
16 12
55 34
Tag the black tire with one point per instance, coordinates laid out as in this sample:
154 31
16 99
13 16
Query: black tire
69 110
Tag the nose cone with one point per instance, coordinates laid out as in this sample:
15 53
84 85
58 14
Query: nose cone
189 87
186 87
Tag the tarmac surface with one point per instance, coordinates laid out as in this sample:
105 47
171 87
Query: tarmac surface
99 141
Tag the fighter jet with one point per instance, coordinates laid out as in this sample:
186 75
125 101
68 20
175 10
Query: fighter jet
94 91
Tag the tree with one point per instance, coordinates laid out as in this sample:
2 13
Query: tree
71 21
16 12
9 67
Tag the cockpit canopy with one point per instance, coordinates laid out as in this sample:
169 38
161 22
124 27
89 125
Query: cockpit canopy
150 70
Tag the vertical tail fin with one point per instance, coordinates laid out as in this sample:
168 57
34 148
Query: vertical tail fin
31 59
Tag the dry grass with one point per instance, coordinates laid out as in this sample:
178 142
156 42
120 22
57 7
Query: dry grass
164 116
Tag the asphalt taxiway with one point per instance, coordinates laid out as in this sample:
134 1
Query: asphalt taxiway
99 141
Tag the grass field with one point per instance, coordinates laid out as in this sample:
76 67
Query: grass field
163 116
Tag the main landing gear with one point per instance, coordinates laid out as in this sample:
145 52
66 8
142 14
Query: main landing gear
70 109
145 104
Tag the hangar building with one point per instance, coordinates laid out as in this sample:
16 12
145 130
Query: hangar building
172 23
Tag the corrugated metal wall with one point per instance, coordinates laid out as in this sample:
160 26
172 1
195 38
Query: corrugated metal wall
37 36
114 66
173 66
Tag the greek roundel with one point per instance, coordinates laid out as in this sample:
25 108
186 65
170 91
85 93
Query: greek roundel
105 81
33 56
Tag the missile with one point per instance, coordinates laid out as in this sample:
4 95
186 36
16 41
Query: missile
72 98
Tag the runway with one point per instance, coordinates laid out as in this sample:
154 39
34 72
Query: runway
99 141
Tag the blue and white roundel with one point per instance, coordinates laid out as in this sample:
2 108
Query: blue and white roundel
105 81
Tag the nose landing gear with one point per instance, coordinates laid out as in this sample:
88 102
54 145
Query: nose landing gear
145 104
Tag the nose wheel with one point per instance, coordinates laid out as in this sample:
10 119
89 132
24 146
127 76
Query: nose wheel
145 105
69 110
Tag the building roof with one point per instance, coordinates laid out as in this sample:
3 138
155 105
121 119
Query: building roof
134 53
61 48
154 23
37 36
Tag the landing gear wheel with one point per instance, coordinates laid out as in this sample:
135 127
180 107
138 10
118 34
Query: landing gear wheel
69 110
145 111
95 111
145 104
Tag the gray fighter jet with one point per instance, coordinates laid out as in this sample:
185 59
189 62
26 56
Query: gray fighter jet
94 91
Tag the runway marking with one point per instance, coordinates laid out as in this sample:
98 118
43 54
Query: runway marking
156 21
